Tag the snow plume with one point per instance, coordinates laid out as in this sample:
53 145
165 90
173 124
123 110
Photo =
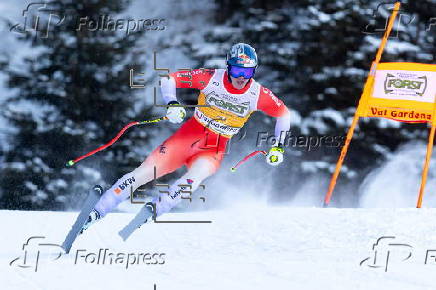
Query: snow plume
311 191
250 185
396 183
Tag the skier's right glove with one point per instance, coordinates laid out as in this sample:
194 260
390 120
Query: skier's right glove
175 114
275 155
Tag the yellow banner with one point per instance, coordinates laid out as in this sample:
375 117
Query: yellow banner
402 91
402 115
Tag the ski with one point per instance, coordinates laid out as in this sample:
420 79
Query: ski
141 217
90 202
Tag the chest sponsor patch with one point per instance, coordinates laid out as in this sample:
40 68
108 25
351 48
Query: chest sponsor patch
228 103
215 125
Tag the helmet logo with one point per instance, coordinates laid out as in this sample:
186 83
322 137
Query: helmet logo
242 54
244 59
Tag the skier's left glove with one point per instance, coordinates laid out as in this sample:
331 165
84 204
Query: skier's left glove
275 155
175 114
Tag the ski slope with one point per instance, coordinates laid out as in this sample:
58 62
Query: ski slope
251 247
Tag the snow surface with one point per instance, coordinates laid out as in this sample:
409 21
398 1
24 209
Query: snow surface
252 247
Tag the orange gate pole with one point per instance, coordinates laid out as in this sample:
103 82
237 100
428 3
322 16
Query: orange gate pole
427 157
426 165
362 102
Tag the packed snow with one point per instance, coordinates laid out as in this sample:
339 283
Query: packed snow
250 247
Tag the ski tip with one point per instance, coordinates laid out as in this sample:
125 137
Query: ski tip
233 169
98 188
70 163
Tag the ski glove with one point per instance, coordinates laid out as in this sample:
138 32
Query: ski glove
275 156
175 114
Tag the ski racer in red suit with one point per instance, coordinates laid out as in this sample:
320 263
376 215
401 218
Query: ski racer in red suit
227 98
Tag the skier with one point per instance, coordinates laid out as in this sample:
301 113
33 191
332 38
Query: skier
227 98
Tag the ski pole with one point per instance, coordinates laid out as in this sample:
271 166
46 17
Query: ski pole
233 169
72 162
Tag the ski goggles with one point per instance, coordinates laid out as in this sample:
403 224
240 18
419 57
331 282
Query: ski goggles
237 71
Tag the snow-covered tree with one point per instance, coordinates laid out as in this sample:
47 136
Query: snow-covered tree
70 95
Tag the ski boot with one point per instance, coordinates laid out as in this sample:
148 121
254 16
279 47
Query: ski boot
151 208
92 218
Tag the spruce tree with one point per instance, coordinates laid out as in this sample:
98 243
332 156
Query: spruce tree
70 96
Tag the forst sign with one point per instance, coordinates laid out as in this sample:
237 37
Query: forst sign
405 84
395 82
239 109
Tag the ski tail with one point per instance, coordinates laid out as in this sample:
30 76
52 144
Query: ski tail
143 215
90 202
